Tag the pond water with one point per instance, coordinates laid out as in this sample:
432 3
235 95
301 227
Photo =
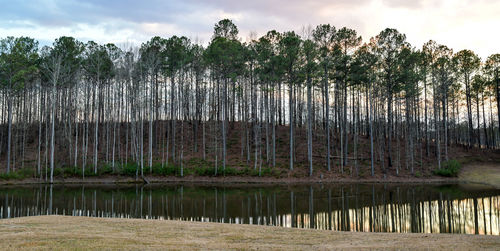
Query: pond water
352 207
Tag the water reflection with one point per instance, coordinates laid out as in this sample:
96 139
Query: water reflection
375 208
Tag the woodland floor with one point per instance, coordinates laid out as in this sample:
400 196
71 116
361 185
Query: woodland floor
82 233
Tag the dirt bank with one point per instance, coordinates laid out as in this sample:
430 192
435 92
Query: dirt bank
117 179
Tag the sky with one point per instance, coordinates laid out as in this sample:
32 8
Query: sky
459 24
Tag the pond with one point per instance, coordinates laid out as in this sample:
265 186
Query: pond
352 207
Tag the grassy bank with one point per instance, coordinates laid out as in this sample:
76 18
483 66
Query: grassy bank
481 173
81 233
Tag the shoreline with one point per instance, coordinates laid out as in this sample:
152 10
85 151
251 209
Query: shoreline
90 233
486 173
120 180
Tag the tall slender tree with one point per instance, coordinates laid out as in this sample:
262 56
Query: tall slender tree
18 63
389 44
324 35
467 63
289 50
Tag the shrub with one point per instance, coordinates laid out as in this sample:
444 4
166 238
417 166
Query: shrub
71 171
254 172
129 169
26 172
57 172
276 172
231 171
171 170
106 169
18 174
204 171
166 170
450 169
158 169
89 171
245 171
266 171
187 171
10 176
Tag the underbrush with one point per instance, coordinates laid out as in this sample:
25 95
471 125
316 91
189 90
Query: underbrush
18 174
197 167
449 169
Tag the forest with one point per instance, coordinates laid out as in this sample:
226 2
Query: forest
316 100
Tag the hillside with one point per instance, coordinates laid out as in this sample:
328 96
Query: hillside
358 164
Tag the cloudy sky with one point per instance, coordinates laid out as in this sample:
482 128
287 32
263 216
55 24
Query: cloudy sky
460 24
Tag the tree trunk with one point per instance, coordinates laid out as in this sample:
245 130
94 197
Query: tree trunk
327 120
309 128
9 132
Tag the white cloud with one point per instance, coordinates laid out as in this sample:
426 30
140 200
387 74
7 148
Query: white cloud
457 23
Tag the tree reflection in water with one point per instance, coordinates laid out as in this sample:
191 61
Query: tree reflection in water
356 207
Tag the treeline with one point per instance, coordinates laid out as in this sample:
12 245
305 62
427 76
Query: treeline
89 105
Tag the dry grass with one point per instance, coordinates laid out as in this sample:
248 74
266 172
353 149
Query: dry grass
481 173
81 233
